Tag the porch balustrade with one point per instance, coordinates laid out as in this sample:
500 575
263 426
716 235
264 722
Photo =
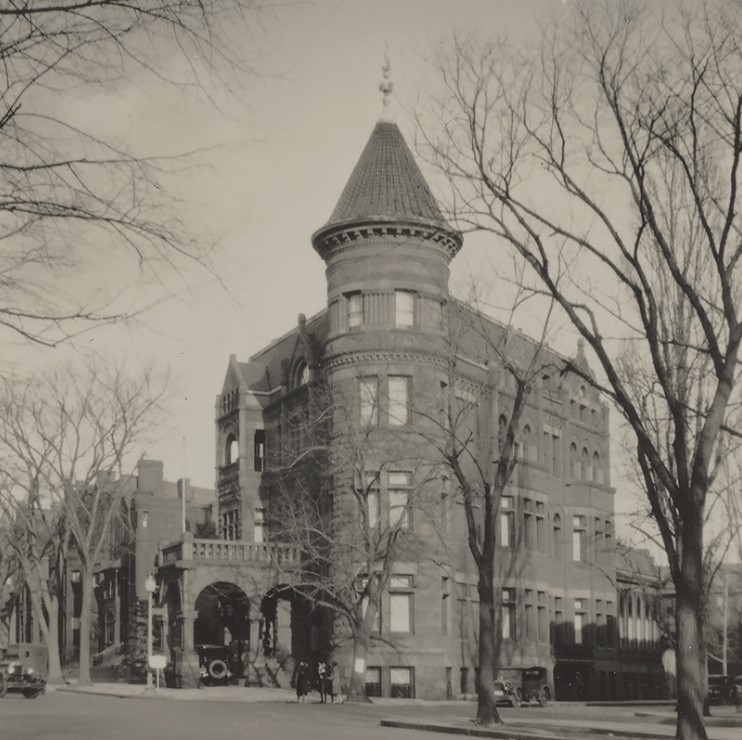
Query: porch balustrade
229 551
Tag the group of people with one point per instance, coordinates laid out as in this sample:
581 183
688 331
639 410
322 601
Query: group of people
327 682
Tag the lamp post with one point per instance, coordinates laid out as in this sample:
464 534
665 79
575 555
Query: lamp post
150 585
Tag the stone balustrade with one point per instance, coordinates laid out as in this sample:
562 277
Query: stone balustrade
229 551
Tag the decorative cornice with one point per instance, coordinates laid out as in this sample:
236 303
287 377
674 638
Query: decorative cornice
350 232
356 357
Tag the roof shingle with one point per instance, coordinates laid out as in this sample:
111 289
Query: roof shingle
387 183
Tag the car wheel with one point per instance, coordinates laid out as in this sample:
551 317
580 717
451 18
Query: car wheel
515 699
217 669
31 693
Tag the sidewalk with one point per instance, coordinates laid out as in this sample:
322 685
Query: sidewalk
248 694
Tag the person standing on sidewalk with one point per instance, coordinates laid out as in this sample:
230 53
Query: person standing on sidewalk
302 681
322 681
334 681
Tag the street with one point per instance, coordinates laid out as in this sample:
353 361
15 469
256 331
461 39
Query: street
70 716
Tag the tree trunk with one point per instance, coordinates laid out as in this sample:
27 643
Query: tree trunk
83 675
689 608
357 688
55 675
487 713
47 617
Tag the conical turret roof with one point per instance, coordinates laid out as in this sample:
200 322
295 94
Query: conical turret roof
387 184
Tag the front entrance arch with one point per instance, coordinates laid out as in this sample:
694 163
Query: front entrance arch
223 620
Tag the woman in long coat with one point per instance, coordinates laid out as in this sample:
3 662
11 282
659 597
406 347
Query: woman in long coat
302 681
334 682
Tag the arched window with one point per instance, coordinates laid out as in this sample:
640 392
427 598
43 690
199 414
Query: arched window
301 374
557 527
528 452
597 471
585 464
572 459
231 450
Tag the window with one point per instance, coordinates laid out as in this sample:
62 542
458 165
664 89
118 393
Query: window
608 538
401 683
578 538
373 681
464 680
597 472
445 603
399 412
600 636
404 309
530 616
528 534
301 374
508 613
557 526
540 527
585 464
259 449
355 310
598 540
232 451
529 452
145 519
555 454
399 497
259 526
400 604
543 632
558 638
572 460
580 619
370 490
369 398
507 522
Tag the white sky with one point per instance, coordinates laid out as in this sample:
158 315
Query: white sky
285 147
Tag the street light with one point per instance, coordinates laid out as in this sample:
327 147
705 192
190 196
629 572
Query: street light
150 585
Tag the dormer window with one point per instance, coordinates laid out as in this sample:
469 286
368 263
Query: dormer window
355 310
301 374
232 450
404 309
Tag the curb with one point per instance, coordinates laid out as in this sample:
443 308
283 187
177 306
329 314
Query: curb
510 732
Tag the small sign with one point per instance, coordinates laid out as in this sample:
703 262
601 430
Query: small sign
157 662
360 666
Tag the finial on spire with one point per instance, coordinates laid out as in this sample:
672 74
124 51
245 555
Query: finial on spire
386 86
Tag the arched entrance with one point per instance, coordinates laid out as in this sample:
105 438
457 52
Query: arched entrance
223 620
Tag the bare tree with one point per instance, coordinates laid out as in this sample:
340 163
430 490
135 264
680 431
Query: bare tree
66 194
477 437
608 158
72 436
327 499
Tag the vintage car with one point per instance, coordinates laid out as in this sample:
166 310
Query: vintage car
507 693
213 661
534 686
14 677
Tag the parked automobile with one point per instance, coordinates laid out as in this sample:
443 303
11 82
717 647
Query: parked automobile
213 661
507 693
14 677
721 690
534 686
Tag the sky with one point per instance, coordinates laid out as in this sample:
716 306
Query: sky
273 159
